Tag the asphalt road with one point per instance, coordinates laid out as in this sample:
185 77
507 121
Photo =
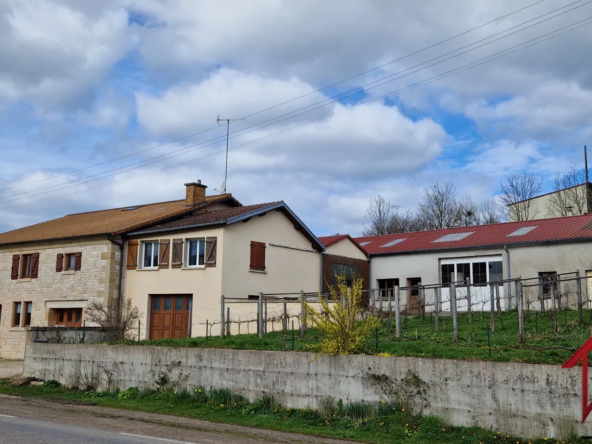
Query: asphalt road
36 421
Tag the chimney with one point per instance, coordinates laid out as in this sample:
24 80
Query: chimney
195 193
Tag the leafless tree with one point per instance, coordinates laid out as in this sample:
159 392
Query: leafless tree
119 321
517 190
570 197
379 215
404 223
491 213
439 207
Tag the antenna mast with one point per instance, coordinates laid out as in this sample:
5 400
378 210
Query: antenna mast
218 120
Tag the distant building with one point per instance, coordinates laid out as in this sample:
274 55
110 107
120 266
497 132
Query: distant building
572 201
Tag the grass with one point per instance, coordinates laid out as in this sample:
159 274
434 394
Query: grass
379 423
419 339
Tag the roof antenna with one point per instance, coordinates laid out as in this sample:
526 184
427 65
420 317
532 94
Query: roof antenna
218 119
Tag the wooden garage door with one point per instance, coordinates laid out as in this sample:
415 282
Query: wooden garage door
170 316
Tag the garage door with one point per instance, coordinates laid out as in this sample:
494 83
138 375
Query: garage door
170 316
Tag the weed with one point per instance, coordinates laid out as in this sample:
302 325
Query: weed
130 393
326 407
51 384
359 410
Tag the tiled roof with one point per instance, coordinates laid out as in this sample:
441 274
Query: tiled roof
207 217
510 233
327 241
105 222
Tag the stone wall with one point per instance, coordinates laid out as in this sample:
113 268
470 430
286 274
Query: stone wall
520 399
97 278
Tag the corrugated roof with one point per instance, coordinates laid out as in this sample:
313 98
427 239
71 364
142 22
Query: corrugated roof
105 222
556 229
330 240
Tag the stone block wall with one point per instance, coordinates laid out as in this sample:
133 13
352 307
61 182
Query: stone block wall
97 278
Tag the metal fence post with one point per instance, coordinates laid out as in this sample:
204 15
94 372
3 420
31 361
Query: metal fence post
437 310
260 315
398 311
541 295
222 325
139 329
390 311
265 324
469 304
285 323
492 295
520 310
227 321
423 304
580 303
207 328
497 301
454 312
302 314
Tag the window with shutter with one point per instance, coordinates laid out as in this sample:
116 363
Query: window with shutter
77 261
177 260
163 260
132 255
195 253
257 256
59 262
34 265
16 259
211 247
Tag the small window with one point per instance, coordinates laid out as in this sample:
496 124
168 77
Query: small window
496 272
16 317
463 274
150 255
157 304
384 285
27 265
167 303
350 272
69 317
196 253
480 273
549 281
447 274
70 262
28 313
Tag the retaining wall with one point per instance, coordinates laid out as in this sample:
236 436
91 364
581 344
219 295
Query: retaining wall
520 399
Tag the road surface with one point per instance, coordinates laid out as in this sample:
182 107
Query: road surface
42 421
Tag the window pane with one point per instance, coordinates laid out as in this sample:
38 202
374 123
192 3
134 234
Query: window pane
69 316
202 252
447 274
28 306
479 273
192 260
167 303
147 254
71 261
18 308
495 271
156 304
178 304
463 273
155 254
78 315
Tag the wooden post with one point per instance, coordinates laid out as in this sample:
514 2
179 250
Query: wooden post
518 300
423 304
222 325
559 293
265 325
469 304
285 323
492 294
260 315
497 301
579 291
302 323
437 296
520 310
541 295
553 312
398 311
227 321
390 311
454 312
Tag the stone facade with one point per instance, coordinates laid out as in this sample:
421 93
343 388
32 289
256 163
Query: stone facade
97 278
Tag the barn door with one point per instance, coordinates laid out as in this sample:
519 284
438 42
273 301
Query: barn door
414 294
169 316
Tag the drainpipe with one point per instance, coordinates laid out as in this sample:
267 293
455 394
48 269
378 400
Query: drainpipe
509 273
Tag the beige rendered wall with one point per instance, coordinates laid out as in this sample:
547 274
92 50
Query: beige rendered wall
204 284
97 278
347 248
539 206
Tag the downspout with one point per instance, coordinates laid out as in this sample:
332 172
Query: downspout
509 273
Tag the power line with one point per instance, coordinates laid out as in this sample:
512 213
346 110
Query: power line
516 48
283 103
292 114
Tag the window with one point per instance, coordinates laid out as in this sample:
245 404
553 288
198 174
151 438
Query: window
150 254
28 313
479 273
17 311
447 274
257 256
69 317
549 281
196 251
384 285
70 263
26 266
495 271
350 272
463 274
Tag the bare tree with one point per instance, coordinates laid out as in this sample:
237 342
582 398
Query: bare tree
468 212
379 215
439 207
118 320
570 197
490 212
404 223
517 191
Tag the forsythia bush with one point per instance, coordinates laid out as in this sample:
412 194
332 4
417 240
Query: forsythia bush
342 325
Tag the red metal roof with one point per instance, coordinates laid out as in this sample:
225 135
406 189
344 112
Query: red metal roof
545 230
330 240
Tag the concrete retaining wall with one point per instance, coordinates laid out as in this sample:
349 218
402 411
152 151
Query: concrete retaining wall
521 399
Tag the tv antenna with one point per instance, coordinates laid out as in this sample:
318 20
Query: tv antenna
218 120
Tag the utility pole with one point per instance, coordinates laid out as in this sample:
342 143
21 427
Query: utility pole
218 120
587 181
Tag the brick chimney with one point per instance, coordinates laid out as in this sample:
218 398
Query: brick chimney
195 193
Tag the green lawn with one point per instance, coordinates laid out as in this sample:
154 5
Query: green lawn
419 338
383 423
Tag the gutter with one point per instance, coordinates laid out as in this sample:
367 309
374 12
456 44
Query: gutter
509 273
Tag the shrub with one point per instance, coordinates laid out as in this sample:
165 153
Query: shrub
359 410
51 384
132 392
326 407
220 396
267 404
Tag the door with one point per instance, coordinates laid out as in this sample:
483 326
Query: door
170 316
70 317
589 285
414 295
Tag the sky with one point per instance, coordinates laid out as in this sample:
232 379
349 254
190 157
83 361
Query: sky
114 103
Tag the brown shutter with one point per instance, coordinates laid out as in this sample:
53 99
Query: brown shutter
257 256
261 256
77 261
59 262
177 261
211 246
34 265
164 254
16 260
132 255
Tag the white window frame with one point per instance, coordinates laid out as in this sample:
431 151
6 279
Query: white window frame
155 244
198 240
469 260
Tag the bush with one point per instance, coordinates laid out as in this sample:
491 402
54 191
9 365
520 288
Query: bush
51 384
326 407
359 410
220 396
130 393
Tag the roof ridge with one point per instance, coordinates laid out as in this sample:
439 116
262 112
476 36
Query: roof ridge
266 204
